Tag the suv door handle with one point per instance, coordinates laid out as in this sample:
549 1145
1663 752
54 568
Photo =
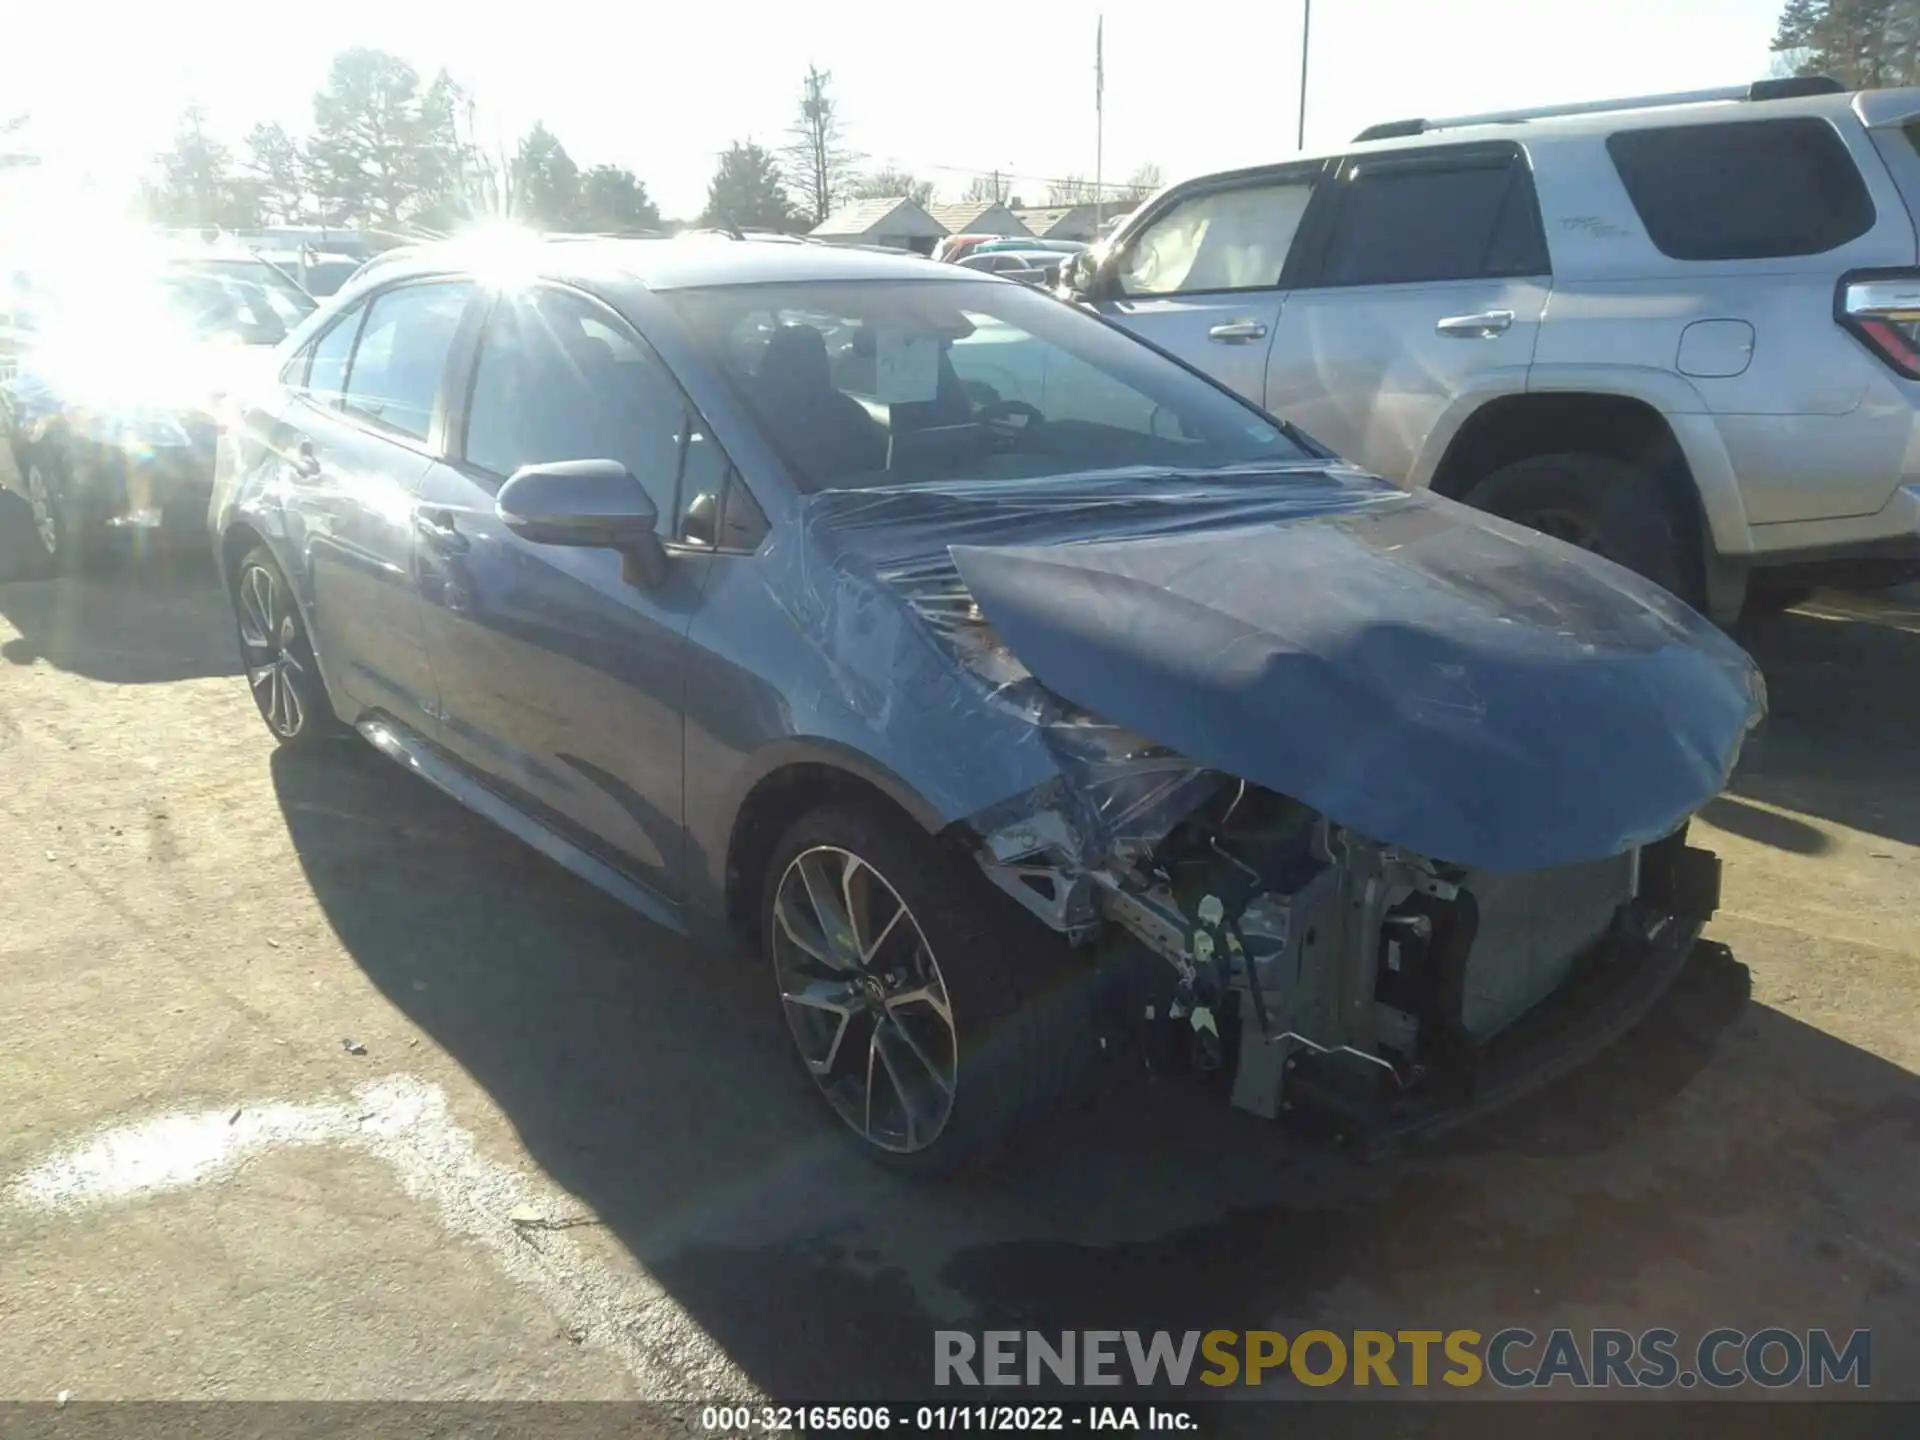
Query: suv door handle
1238 332
436 527
306 462
1485 326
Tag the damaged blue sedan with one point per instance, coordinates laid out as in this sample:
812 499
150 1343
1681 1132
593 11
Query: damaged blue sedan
991 676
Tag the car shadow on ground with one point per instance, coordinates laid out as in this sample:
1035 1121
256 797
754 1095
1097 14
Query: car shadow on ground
1839 743
654 1081
127 619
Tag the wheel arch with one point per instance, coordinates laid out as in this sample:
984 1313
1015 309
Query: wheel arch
243 534
1629 428
792 779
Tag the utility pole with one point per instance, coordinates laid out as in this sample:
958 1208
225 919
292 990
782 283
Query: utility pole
1099 118
1306 34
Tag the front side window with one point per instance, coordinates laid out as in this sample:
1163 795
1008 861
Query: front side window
899 382
402 355
1234 239
558 378
1397 223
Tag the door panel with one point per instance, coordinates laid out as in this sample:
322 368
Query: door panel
562 681
359 437
349 506
1202 278
1428 280
1225 336
1368 371
561 678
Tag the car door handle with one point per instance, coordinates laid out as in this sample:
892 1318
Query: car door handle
1238 332
306 461
1485 326
437 528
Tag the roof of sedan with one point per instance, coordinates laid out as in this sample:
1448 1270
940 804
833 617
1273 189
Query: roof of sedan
682 263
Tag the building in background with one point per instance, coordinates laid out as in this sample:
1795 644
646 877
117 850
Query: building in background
978 217
893 221
1070 222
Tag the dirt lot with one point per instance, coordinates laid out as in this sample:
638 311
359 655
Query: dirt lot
567 1156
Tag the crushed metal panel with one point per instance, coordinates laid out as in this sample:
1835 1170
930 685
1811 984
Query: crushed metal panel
1427 675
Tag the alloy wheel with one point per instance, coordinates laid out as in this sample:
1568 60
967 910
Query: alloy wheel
46 524
269 636
865 999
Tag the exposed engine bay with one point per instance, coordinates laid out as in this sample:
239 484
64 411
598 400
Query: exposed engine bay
1295 954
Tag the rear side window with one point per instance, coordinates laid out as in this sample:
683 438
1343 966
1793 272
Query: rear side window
1743 190
402 355
325 362
1398 223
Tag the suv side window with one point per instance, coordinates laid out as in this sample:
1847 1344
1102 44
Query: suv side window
1743 189
560 378
1399 220
1235 238
401 355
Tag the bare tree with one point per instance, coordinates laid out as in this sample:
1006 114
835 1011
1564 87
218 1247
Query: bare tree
887 182
991 188
819 166
1071 190
1142 183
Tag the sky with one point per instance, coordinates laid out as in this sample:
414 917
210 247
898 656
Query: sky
942 90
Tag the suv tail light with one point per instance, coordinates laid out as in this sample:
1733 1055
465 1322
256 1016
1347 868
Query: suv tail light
1882 309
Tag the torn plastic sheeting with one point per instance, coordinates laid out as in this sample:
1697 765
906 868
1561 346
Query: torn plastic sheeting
1430 676
962 717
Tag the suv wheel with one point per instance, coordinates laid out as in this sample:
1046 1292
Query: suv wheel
933 1015
281 670
1611 507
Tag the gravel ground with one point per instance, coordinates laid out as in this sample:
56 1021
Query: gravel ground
565 1156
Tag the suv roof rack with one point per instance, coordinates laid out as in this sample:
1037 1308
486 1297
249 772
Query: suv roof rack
1790 87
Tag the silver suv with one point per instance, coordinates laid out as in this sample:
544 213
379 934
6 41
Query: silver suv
1682 330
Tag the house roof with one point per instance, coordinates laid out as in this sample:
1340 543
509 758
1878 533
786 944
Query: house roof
1044 218
964 217
890 215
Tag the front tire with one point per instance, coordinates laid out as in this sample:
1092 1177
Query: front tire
934 1016
1612 507
278 656
52 544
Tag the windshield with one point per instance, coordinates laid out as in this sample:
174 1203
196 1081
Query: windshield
893 382
246 299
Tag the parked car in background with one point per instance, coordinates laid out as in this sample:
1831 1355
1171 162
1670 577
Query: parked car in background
1016 264
1679 331
946 646
958 247
109 414
322 275
1023 242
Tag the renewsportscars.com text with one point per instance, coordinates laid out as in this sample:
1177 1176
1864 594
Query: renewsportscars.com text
1512 1358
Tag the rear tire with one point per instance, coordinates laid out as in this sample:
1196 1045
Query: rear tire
278 657
923 1092
1611 507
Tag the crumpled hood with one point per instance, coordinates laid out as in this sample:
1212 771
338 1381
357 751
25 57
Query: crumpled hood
1430 676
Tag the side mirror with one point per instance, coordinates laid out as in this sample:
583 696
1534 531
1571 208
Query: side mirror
594 504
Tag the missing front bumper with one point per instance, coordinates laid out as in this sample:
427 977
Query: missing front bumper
1611 991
